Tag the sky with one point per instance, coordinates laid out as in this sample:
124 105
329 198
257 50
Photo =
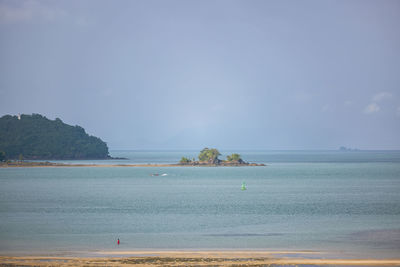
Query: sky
188 74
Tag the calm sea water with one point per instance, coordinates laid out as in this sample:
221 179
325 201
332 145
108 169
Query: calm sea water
309 200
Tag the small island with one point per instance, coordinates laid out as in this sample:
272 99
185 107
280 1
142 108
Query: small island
209 157
347 149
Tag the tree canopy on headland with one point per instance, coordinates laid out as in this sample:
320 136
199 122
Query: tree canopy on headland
36 137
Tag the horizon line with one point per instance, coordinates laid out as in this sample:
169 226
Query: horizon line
255 150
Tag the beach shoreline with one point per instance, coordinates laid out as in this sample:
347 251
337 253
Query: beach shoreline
57 165
195 257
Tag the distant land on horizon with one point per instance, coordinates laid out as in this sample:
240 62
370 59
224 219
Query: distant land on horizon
35 137
38 138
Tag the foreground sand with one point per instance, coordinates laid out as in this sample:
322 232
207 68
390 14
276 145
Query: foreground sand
194 258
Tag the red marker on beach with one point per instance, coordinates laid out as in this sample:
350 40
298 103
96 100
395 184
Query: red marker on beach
118 242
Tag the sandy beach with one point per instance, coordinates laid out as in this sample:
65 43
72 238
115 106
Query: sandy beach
194 258
52 165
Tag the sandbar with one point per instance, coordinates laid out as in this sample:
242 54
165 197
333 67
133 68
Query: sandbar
195 258
57 165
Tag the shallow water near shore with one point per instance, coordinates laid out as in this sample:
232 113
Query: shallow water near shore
329 201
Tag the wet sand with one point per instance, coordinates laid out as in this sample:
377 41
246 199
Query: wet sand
52 164
57 165
92 165
195 258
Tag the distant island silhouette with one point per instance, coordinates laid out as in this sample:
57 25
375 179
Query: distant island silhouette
347 149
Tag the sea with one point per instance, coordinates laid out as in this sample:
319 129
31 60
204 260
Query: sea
343 202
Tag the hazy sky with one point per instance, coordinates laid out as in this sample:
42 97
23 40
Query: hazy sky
227 74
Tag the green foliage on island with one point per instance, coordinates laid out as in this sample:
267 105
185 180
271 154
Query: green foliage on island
234 157
184 160
2 156
36 137
209 155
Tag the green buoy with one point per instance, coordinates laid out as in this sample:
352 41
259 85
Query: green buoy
244 186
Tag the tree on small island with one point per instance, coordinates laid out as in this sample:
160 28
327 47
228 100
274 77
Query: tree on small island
185 160
209 155
234 157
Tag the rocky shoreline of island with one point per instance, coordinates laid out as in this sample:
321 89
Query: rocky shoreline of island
220 164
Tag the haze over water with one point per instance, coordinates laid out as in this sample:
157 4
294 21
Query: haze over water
348 204
229 74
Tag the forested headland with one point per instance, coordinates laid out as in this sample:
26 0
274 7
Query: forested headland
37 137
